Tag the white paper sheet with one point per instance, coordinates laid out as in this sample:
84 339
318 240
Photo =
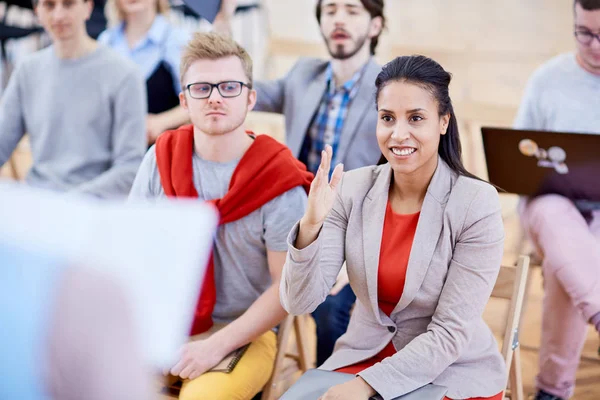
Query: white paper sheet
157 251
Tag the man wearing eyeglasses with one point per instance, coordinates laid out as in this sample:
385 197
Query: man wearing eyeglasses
564 96
260 191
82 106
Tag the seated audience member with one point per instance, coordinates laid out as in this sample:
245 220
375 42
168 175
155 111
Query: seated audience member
422 240
70 335
82 106
259 189
330 102
563 96
142 33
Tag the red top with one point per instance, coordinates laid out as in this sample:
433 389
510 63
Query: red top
396 242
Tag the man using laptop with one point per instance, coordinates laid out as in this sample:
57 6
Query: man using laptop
82 106
330 102
564 96
259 189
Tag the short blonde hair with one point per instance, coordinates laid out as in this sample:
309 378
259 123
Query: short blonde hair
213 46
115 15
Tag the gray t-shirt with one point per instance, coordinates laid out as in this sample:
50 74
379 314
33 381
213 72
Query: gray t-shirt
240 252
85 117
561 96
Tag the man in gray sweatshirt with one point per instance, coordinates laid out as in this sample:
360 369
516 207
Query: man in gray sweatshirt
563 95
82 106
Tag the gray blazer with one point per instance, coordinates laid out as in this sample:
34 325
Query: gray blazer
298 96
437 327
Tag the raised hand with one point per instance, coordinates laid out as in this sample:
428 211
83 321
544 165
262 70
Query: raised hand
320 199
228 8
222 23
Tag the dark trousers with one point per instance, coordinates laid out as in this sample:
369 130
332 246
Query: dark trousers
332 318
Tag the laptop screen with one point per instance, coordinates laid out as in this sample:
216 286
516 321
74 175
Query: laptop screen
534 163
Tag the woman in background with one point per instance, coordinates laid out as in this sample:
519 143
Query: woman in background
141 32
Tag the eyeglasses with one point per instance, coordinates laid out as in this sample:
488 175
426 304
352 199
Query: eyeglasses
203 90
586 37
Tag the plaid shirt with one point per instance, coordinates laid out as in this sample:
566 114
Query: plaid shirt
326 127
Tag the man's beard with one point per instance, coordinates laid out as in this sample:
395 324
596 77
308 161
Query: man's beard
340 54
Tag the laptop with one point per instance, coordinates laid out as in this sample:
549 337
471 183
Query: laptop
534 163
315 382
157 252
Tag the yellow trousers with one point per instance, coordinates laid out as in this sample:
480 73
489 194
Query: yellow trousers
247 379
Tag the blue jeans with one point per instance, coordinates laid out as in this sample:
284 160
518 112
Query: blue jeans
332 318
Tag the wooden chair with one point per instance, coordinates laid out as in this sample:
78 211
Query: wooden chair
512 285
287 364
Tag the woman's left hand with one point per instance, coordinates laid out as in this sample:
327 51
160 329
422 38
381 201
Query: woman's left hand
356 389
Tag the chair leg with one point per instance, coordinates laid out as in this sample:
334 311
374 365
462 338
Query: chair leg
516 377
285 328
526 296
300 331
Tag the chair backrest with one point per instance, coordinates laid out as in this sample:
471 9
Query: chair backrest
511 285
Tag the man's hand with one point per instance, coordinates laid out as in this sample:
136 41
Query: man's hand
356 389
196 358
341 282
227 9
222 23
154 127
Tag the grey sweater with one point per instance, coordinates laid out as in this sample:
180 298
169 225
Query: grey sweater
561 96
85 119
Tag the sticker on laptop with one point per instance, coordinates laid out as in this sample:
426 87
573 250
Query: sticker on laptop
554 157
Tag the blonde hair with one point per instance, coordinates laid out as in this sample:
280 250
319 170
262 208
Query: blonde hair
115 15
213 46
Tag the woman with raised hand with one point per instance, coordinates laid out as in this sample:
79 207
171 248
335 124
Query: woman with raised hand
422 239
